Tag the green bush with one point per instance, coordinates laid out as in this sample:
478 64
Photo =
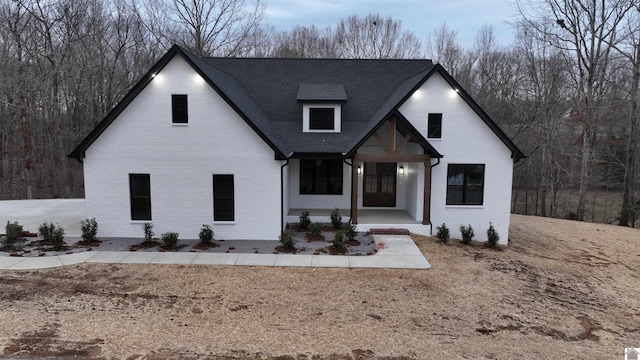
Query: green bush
338 240
46 231
13 231
170 240
443 233
148 232
89 230
492 236
206 234
287 241
467 233
351 232
316 229
57 238
305 220
336 218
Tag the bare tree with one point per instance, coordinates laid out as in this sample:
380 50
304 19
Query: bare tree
375 37
207 27
584 30
629 49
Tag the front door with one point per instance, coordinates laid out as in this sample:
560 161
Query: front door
379 184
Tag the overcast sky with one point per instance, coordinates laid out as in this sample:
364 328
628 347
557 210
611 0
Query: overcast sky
419 16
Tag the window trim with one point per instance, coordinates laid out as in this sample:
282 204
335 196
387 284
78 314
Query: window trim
179 116
306 117
438 117
217 196
314 177
464 185
140 197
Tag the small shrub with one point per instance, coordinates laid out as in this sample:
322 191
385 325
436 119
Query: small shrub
443 233
206 234
467 233
287 241
46 231
170 240
336 218
148 232
13 231
338 240
492 236
351 232
57 238
89 230
316 229
305 220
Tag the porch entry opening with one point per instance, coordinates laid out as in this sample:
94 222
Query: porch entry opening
379 184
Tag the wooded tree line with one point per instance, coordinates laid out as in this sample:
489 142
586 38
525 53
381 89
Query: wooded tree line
566 90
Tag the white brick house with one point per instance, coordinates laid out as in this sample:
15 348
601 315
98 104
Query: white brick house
245 145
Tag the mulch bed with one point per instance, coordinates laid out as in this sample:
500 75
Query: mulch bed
205 245
311 238
145 245
353 242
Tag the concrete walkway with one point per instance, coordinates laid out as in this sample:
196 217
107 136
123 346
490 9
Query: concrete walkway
395 252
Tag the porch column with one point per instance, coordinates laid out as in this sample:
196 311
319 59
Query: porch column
354 192
426 213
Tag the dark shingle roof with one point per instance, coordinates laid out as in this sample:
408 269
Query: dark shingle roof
265 92
321 92
273 85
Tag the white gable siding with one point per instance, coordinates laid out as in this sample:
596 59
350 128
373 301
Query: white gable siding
466 139
181 161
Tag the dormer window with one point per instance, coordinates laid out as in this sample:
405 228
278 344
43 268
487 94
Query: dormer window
321 107
321 118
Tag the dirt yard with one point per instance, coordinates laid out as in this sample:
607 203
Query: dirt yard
560 289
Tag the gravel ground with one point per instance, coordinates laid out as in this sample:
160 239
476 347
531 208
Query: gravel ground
561 289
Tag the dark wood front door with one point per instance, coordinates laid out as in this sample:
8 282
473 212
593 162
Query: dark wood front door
379 184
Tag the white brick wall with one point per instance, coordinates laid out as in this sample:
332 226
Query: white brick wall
181 160
465 140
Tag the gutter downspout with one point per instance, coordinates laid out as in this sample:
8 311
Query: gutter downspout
282 195
430 181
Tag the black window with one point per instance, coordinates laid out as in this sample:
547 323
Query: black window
223 207
140 191
179 108
321 176
465 184
434 126
321 119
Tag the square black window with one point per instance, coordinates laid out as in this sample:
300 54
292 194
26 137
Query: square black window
223 198
179 109
434 126
321 119
465 184
140 194
321 176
